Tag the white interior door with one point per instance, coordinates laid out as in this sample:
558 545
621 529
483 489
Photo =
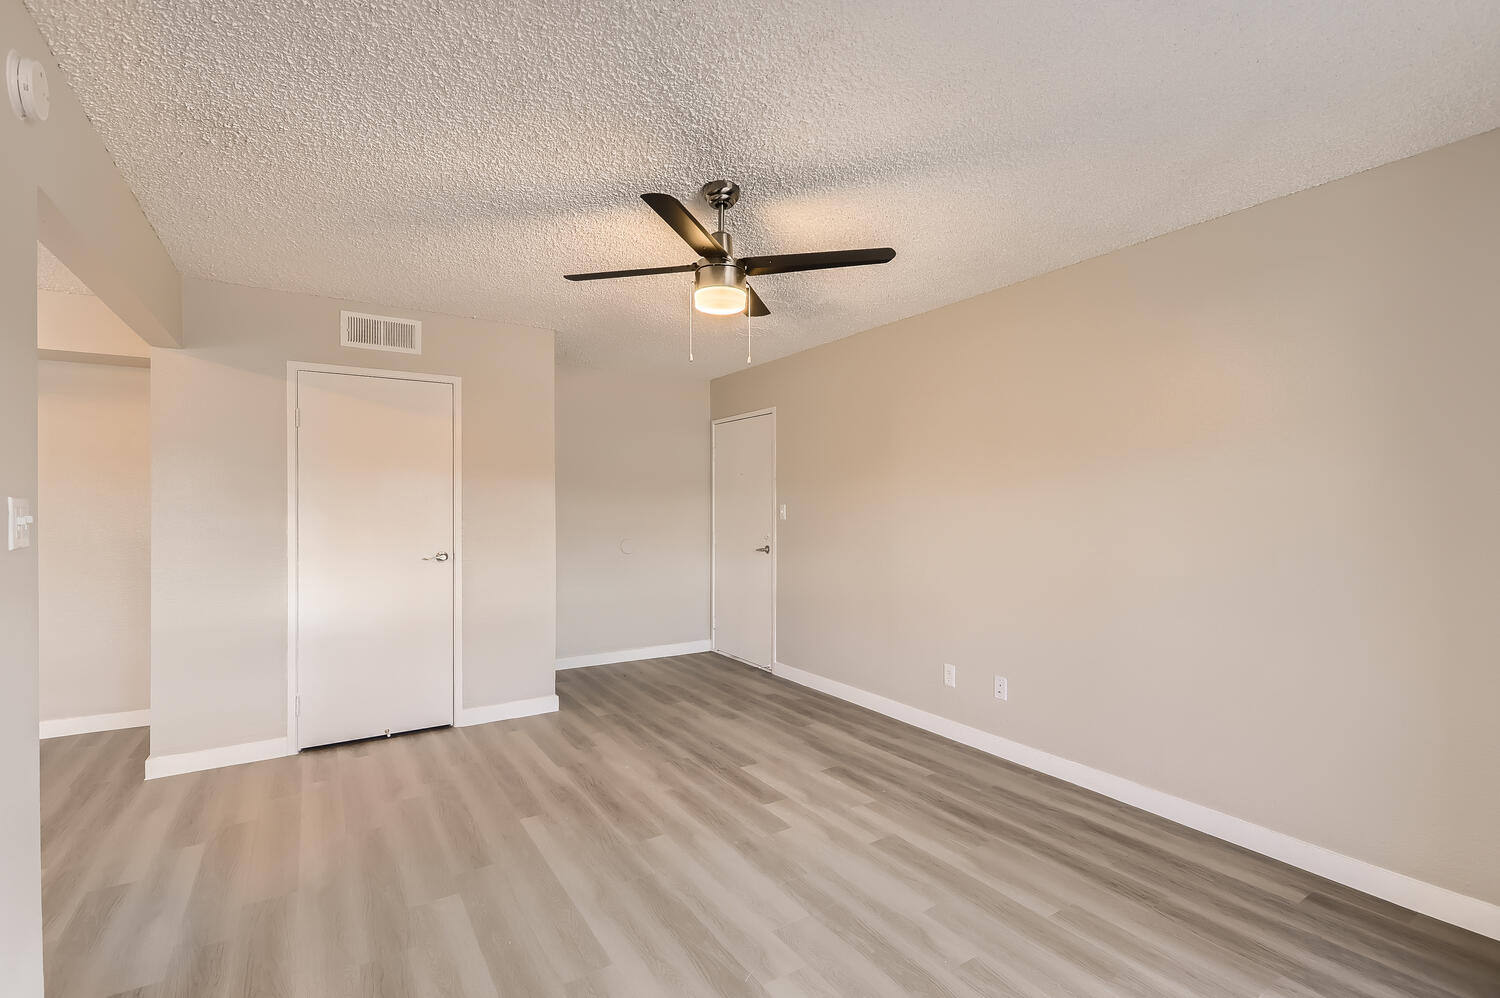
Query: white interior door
745 538
374 556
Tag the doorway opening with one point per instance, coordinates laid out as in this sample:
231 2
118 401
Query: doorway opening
94 487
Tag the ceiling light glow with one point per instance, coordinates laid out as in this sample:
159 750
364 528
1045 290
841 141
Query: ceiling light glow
718 299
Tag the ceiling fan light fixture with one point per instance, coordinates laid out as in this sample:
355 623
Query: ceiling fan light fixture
719 300
719 289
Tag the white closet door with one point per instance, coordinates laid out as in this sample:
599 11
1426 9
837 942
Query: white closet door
744 538
374 556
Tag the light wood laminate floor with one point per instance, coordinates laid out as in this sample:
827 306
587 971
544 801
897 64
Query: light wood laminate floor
684 826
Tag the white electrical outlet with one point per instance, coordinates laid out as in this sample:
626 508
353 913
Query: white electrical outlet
1002 689
950 675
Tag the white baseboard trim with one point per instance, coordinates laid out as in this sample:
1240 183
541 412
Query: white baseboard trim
62 726
1429 899
635 654
507 711
158 766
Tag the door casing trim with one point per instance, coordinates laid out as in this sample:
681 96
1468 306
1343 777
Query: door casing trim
293 368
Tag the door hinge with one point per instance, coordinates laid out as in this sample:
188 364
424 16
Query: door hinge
297 417
299 706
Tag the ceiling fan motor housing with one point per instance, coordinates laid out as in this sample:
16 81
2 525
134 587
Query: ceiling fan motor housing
725 273
722 275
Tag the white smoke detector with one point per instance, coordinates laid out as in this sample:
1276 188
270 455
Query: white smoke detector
26 84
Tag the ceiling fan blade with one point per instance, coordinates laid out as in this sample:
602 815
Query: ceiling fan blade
605 275
753 304
786 263
675 214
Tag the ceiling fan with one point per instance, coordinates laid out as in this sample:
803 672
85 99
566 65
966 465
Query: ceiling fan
719 277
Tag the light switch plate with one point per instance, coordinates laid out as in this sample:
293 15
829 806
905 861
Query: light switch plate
17 523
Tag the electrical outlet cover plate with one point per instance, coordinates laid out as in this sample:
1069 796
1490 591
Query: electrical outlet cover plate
950 675
17 523
1002 688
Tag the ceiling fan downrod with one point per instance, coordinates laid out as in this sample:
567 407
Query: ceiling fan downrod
721 196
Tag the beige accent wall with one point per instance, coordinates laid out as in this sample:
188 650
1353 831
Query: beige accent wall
632 473
57 181
94 470
1221 506
219 515
84 324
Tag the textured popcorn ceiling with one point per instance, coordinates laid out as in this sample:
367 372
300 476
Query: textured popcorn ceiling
461 155
53 275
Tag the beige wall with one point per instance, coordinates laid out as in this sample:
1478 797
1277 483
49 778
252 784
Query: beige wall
94 470
57 180
1221 506
219 520
632 471
83 324
20 809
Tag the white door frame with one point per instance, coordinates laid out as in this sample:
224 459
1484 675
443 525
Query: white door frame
293 367
713 600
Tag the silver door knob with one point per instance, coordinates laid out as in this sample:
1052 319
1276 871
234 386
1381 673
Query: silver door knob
440 556
764 550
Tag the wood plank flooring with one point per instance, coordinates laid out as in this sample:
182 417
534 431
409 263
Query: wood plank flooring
684 826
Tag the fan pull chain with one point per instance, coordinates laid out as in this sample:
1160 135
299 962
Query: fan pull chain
690 325
747 334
